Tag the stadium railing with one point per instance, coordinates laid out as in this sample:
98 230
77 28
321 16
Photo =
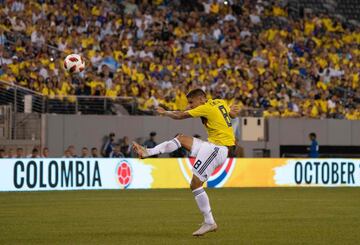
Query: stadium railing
20 98
5 121
91 105
24 100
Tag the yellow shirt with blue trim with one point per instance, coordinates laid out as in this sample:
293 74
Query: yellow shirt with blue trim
216 119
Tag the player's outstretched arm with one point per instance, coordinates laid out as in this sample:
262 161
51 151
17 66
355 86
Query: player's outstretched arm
177 115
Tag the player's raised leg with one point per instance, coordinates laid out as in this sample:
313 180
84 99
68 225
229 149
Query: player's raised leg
164 147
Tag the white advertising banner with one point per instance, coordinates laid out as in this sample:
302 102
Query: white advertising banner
73 174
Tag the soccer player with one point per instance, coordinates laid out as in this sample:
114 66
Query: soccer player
216 117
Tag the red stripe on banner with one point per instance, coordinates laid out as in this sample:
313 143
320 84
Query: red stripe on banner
229 165
192 160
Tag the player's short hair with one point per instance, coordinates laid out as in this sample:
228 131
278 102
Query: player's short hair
312 135
196 93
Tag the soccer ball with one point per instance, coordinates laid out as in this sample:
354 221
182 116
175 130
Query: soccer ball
74 63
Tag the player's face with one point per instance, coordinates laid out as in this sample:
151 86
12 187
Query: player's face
195 102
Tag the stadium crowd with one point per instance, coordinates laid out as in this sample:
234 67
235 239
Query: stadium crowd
36 152
250 53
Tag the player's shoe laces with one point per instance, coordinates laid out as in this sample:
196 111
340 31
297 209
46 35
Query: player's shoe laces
205 228
140 150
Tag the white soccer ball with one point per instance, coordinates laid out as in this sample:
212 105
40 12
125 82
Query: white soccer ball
74 63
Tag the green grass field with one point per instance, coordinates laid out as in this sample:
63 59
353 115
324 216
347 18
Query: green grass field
244 216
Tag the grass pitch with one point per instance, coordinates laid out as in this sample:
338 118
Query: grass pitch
244 216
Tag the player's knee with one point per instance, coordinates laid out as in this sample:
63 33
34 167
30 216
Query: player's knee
194 184
191 185
180 138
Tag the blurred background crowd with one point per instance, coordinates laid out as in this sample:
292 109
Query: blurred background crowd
248 52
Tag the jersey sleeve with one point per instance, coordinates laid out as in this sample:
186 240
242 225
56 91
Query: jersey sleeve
200 111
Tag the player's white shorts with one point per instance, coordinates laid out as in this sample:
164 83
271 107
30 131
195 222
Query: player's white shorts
208 157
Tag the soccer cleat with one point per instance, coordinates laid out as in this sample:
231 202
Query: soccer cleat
205 228
140 150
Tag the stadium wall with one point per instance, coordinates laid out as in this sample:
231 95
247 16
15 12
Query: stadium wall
111 173
89 130
295 131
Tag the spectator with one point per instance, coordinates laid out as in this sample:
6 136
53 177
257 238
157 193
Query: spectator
314 147
17 6
19 152
150 143
116 153
34 153
2 153
10 153
181 152
94 152
84 152
109 145
45 152
2 37
72 151
83 89
125 147
67 154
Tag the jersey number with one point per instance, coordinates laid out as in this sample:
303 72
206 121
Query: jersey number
197 164
225 115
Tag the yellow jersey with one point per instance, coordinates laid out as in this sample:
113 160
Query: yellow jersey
215 116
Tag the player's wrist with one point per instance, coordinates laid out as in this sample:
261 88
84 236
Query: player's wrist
170 114
164 113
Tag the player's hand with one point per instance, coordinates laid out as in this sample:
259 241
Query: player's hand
161 111
235 109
